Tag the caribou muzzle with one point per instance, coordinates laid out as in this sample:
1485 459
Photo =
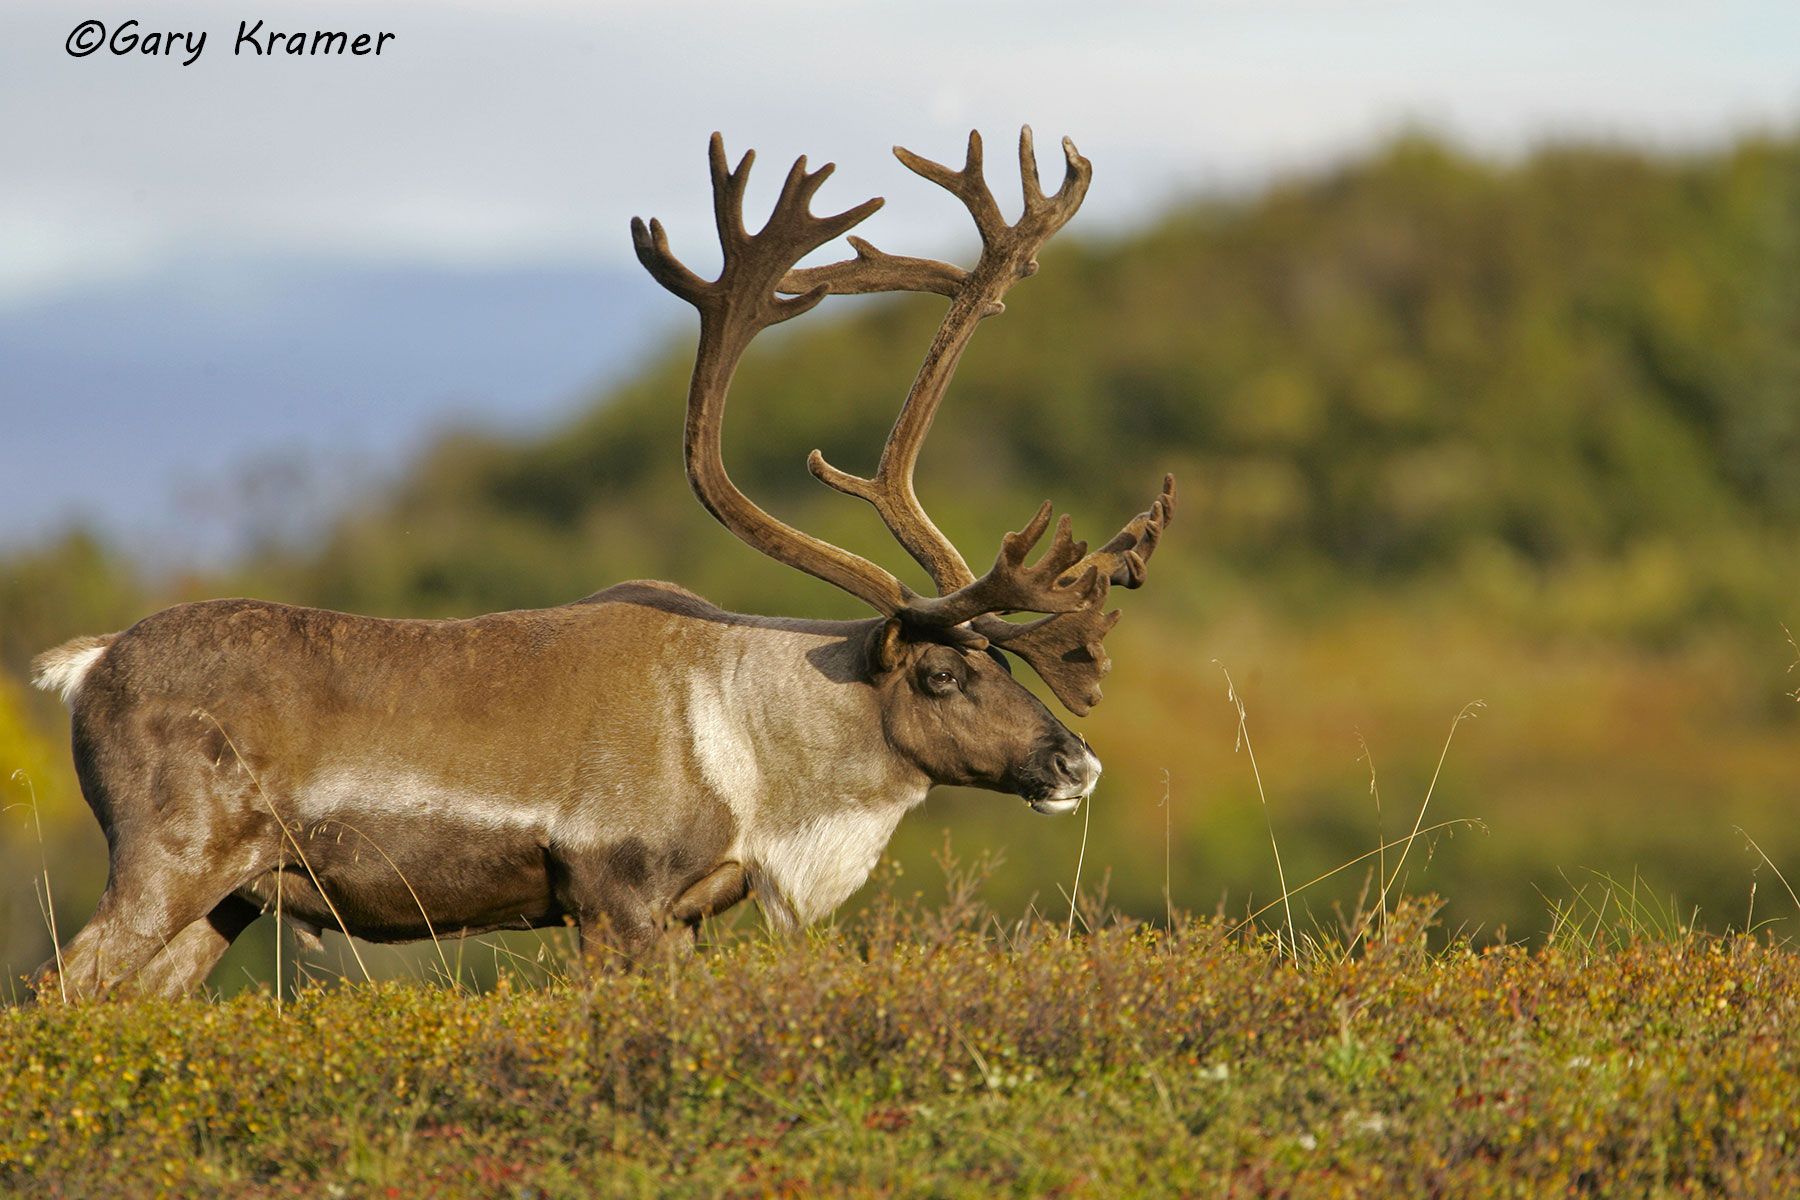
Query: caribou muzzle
1059 775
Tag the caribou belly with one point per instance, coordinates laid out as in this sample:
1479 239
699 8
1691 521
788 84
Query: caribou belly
395 857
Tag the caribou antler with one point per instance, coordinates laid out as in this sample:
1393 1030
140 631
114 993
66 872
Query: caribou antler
1122 559
1066 649
760 285
734 308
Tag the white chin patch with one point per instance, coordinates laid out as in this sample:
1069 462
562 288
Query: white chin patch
1057 807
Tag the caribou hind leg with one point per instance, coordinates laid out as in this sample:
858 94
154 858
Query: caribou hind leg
166 898
180 967
141 913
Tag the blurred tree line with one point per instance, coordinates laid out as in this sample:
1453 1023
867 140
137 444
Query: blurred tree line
1558 398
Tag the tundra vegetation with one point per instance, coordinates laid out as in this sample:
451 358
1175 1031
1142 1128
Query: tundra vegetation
932 1051
1447 429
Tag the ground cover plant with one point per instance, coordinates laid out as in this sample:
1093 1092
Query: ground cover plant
932 1050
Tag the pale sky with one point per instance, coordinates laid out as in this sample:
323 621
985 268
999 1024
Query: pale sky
491 132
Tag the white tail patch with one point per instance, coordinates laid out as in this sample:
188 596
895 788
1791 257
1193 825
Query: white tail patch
63 669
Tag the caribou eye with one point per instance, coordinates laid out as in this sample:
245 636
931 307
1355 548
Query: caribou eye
941 682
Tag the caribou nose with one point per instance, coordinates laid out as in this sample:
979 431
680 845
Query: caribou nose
1076 768
1072 771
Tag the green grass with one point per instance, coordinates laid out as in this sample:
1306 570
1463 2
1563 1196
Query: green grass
930 1051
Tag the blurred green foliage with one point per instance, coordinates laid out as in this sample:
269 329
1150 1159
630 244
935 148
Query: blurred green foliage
1446 428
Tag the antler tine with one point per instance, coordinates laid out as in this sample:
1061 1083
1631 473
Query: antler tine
1122 559
1078 175
1064 551
798 189
1029 182
728 192
652 245
968 185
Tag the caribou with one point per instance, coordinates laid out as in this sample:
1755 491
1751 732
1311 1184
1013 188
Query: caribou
632 763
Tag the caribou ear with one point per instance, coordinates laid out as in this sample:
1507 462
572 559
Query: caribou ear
887 647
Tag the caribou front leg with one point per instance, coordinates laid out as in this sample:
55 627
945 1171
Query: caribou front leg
720 889
609 893
724 888
615 925
618 927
